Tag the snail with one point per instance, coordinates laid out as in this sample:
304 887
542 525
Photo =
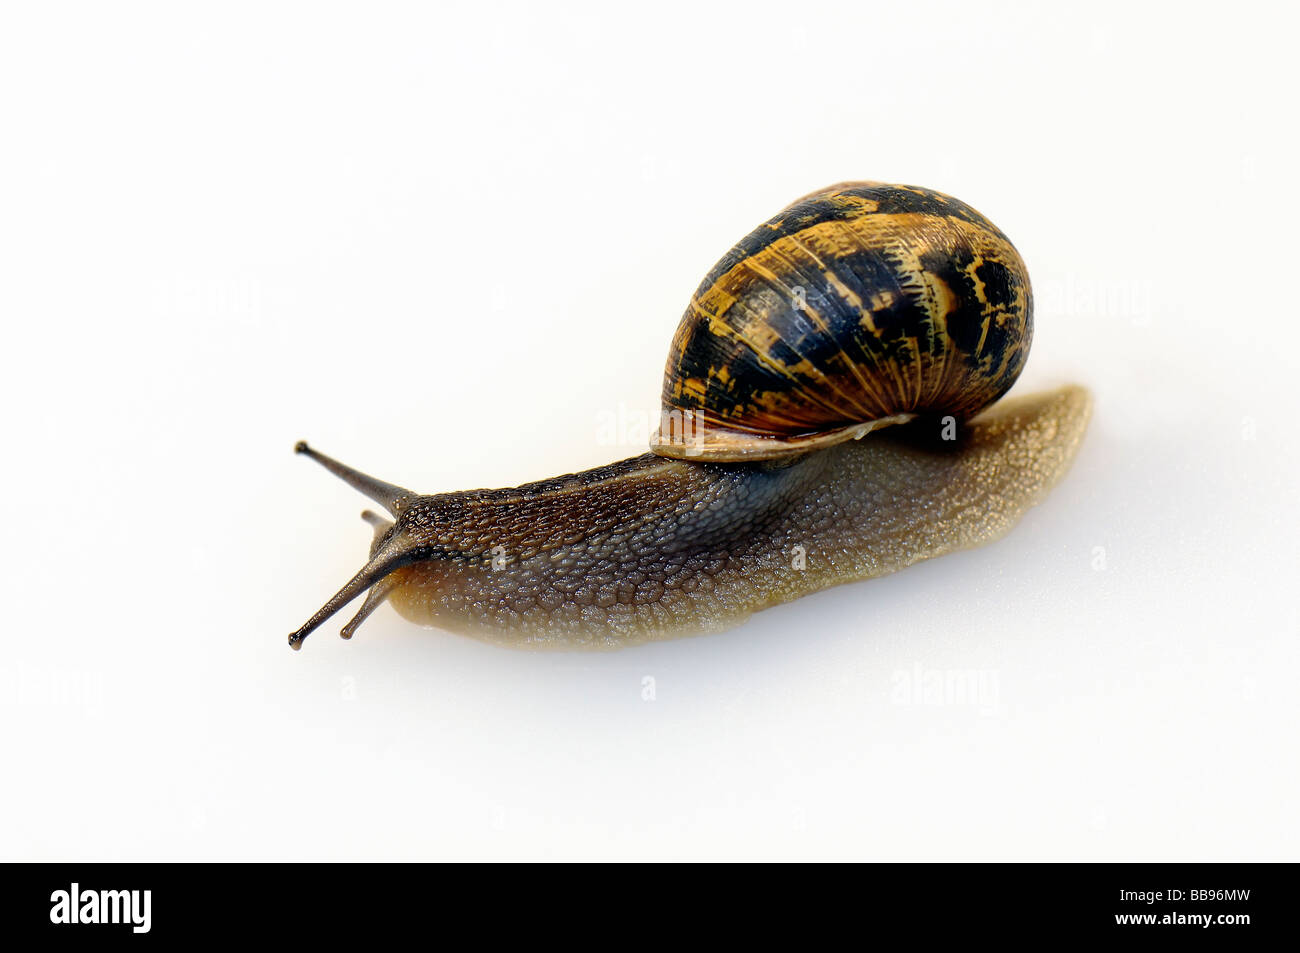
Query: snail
859 307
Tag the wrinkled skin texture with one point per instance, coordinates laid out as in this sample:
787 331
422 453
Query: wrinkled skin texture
651 548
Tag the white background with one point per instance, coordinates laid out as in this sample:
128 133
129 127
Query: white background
449 245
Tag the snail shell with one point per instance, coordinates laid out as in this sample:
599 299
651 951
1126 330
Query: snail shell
860 305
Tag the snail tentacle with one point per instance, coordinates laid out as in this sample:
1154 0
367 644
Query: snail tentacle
388 495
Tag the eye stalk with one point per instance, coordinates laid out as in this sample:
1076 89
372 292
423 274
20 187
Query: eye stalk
390 496
390 550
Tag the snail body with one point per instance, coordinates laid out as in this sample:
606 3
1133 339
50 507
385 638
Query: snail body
859 306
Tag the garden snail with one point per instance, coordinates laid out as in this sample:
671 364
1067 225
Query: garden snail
858 306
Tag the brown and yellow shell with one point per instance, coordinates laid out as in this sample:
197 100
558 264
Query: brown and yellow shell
860 305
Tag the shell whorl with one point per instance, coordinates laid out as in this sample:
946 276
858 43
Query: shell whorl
860 305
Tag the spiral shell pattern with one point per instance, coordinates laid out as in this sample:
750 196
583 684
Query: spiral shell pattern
860 305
